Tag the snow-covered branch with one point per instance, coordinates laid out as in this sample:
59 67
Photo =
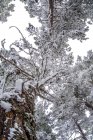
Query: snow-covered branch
23 72
40 95
47 79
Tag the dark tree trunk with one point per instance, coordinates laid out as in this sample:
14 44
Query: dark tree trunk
20 118
51 9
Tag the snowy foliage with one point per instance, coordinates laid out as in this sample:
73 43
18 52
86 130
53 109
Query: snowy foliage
6 105
48 73
6 7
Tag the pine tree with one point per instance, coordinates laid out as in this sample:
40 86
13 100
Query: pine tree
47 72
75 99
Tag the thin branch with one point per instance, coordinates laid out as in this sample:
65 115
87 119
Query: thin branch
18 31
89 105
38 94
43 81
3 43
44 65
47 93
44 70
24 39
80 130
24 72
19 48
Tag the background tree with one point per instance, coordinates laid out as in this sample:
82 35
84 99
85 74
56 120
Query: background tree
6 7
75 99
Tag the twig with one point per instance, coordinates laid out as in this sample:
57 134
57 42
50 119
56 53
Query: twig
38 94
47 93
19 48
18 31
44 65
24 39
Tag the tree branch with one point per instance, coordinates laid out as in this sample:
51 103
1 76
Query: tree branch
40 95
47 92
18 31
19 48
80 130
89 105
24 39
43 81
24 72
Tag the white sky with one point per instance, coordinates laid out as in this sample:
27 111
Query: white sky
20 18
81 49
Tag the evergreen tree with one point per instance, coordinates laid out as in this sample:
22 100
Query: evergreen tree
75 100
47 72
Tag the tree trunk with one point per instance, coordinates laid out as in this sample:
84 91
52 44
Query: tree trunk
51 8
19 123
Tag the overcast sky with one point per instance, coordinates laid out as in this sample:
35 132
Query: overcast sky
20 18
81 49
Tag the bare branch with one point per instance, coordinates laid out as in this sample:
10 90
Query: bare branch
18 31
3 43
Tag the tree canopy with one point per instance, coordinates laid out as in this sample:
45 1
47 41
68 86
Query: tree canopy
47 79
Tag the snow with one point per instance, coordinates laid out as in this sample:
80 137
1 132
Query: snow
87 113
90 97
12 133
8 95
16 125
81 75
43 135
18 85
6 105
91 92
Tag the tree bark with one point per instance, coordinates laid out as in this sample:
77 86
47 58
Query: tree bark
20 119
51 7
